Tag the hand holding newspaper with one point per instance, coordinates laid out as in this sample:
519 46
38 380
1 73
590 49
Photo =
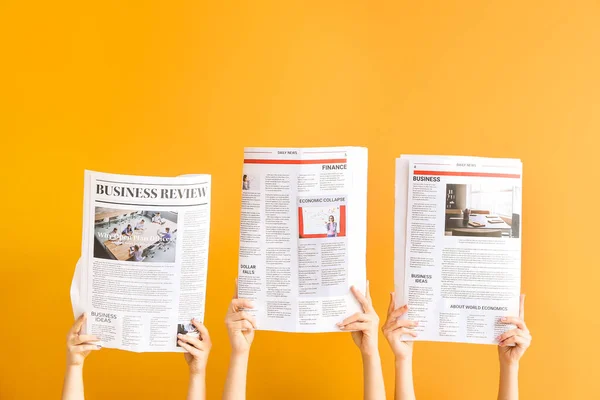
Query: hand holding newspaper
141 277
458 245
303 236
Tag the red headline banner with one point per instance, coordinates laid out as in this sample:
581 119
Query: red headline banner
327 161
478 174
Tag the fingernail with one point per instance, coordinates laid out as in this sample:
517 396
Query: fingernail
98 346
503 319
416 323
179 335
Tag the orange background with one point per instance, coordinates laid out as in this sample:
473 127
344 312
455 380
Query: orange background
166 88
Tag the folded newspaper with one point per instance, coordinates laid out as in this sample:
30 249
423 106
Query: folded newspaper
141 277
458 245
303 235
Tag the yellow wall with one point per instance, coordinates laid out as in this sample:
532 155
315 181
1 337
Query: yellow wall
98 85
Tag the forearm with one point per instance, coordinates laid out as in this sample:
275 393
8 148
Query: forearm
73 384
373 377
404 380
197 387
509 382
235 384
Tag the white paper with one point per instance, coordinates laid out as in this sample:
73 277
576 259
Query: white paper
459 271
142 283
303 235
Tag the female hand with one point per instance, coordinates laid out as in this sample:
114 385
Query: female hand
394 328
240 325
198 348
80 346
513 343
364 325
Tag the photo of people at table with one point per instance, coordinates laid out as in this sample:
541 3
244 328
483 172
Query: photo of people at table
491 209
135 235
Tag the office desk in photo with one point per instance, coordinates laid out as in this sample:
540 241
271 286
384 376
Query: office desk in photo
141 238
460 223
109 213
454 211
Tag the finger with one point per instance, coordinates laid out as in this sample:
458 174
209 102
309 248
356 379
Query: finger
515 321
398 312
368 292
204 336
85 347
243 316
401 331
76 328
356 326
78 339
361 299
236 304
190 349
522 307
235 293
401 323
353 318
191 340
518 340
236 316
392 301
243 325
510 333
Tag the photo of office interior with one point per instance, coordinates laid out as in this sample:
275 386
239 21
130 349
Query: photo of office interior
483 210
135 235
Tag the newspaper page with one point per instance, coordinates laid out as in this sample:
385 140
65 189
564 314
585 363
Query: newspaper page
458 245
303 235
142 273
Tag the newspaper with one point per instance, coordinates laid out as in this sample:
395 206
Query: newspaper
141 277
303 235
458 245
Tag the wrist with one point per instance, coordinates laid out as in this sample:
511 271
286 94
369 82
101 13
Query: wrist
74 368
198 374
240 353
370 355
403 361
508 366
